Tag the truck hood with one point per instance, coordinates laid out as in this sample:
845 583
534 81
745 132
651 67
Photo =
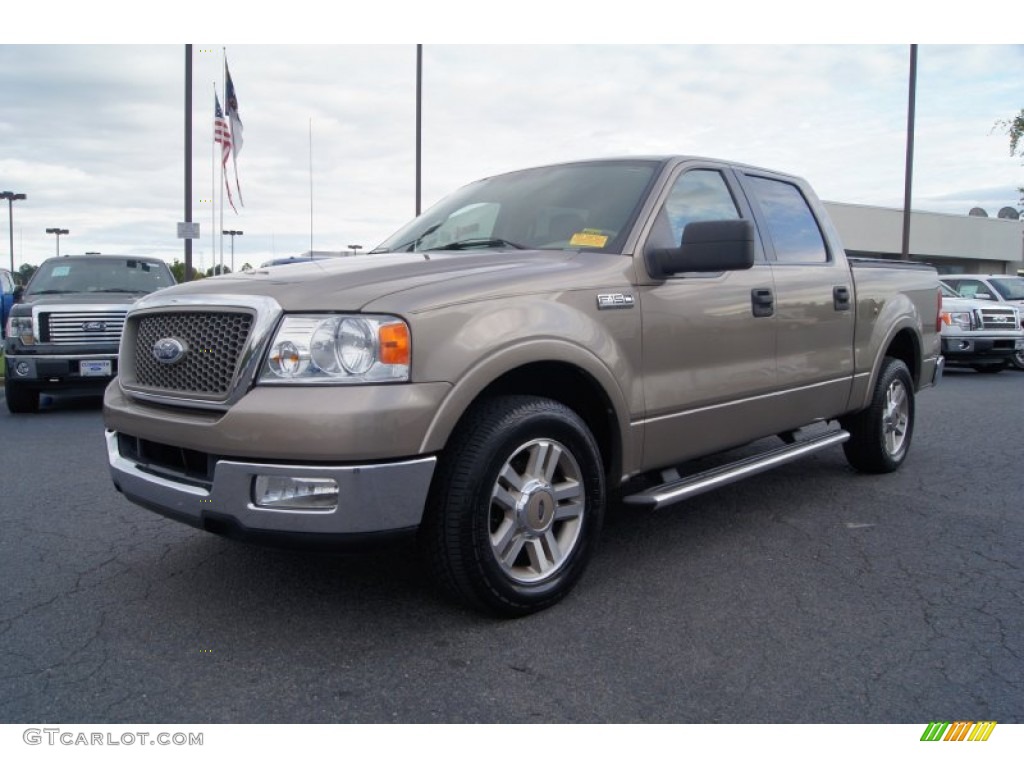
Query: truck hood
963 305
56 300
411 282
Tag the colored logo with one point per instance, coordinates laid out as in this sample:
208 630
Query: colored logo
961 730
168 351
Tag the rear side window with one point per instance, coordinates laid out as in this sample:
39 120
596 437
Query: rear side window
793 228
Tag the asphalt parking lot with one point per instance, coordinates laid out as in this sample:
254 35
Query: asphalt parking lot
811 594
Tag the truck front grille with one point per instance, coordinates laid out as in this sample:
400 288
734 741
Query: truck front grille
81 327
213 345
998 319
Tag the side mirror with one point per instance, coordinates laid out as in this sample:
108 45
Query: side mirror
19 291
983 296
707 246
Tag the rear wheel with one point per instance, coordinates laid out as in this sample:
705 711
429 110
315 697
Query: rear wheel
20 399
516 506
880 435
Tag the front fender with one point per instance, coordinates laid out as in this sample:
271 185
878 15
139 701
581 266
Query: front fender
474 346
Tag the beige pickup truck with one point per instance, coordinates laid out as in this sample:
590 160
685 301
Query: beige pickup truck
530 348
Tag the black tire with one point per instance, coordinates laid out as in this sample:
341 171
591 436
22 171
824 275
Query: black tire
1017 361
20 399
516 506
990 367
880 435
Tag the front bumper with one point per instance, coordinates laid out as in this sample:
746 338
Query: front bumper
372 498
92 370
971 349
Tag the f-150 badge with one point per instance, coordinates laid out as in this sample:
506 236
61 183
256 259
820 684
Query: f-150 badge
614 300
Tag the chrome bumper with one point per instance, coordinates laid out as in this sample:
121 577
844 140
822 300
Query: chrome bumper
372 498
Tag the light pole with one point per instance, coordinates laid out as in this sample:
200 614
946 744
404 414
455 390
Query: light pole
58 232
10 197
232 232
355 249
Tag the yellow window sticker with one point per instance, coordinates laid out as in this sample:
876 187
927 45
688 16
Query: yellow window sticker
589 239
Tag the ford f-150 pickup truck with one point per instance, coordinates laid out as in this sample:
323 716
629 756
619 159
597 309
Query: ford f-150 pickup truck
500 367
981 334
64 331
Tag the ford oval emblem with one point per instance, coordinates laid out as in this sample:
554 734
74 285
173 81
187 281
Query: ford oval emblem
94 326
168 351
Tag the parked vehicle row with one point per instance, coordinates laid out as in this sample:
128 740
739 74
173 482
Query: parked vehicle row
983 335
1005 289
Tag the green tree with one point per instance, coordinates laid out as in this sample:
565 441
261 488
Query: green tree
1014 128
217 269
24 273
178 270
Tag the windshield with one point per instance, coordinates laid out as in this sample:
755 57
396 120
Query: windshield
122 274
580 206
1011 288
948 292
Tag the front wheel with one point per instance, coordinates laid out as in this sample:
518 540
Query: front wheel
990 367
516 507
880 434
20 398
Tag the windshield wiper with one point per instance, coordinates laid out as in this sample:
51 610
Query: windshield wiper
412 245
479 242
50 291
117 290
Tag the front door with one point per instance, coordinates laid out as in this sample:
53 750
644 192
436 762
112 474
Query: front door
708 354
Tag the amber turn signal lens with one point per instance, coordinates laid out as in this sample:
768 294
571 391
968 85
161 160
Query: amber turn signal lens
394 344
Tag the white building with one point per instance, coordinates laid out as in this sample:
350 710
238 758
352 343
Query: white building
972 244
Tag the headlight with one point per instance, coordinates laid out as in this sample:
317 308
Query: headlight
20 327
342 349
962 320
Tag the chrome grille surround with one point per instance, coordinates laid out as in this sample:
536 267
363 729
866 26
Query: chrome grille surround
223 335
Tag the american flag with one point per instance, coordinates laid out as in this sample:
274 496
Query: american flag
222 136
231 105
221 132
231 102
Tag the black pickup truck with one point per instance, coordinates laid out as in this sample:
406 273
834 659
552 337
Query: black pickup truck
64 330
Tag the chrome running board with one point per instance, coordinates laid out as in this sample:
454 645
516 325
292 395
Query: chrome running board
692 485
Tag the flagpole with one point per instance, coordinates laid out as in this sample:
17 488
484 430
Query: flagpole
311 188
188 159
224 64
213 189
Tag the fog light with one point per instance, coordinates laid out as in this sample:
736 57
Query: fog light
22 368
281 492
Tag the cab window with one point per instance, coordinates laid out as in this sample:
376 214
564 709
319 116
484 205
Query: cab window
791 224
699 195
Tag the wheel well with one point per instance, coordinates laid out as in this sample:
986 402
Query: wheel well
575 389
905 347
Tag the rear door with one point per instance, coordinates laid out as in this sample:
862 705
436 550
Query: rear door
814 298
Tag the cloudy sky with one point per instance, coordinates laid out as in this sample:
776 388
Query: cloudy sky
94 133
